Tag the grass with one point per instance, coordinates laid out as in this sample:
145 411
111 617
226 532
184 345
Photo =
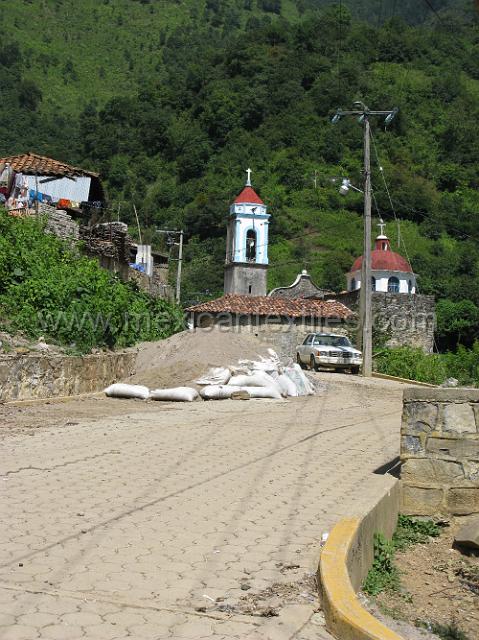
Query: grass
384 574
444 631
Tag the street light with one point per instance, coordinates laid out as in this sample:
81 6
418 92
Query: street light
346 185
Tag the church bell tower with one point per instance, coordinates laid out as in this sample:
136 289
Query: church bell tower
246 264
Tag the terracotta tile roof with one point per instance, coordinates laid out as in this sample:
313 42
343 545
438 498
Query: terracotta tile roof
31 163
248 196
265 306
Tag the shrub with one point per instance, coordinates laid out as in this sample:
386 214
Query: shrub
48 289
434 368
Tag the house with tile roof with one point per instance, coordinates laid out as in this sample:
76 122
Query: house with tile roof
282 322
33 177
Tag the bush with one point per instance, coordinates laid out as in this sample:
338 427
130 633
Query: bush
48 289
434 368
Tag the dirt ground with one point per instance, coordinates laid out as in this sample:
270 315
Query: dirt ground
185 356
176 361
439 584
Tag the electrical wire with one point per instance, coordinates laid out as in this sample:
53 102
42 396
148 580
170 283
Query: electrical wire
381 171
340 46
431 7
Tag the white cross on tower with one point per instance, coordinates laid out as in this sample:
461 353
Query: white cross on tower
248 181
382 226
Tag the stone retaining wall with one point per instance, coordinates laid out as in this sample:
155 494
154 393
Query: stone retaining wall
440 451
27 377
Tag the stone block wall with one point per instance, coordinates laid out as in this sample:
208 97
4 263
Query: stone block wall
440 451
60 223
27 377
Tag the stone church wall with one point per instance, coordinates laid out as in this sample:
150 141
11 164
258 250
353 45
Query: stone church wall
402 320
240 277
440 451
303 287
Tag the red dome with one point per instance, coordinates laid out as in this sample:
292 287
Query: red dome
248 196
383 259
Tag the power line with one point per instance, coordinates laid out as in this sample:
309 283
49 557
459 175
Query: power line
340 45
432 8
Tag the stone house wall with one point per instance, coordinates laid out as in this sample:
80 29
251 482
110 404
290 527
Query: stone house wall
27 377
59 222
440 451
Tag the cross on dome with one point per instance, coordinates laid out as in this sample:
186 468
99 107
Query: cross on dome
382 226
248 181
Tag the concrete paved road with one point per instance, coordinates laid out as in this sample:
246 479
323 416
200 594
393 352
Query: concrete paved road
192 521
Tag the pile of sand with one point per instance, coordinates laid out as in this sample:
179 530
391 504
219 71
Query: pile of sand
181 359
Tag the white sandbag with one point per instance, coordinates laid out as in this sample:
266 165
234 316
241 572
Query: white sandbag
303 385
178 394
256 379
287 386
240 370
218 392
215 376
263 392
273 363
120 390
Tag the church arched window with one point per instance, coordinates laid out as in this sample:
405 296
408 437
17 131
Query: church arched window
373 283
393 284
409 286
251 246
353 284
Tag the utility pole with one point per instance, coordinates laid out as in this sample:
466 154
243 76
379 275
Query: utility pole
178 272
363 113
365 293
170 233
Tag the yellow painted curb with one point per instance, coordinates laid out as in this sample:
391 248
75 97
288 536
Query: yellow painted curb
385 376
345 617
51 399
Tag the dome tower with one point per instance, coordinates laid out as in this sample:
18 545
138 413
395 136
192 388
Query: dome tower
390 272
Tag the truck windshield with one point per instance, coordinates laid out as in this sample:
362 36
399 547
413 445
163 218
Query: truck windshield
333 341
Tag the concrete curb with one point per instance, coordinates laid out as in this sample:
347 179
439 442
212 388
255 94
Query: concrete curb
343 565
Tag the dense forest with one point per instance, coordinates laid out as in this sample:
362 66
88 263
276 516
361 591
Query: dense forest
171 101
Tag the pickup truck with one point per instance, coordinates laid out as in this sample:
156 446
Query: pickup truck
328 350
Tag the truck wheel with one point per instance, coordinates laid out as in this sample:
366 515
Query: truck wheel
312 364
299 361
355 370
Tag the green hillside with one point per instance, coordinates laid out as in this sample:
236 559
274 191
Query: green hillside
171 101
